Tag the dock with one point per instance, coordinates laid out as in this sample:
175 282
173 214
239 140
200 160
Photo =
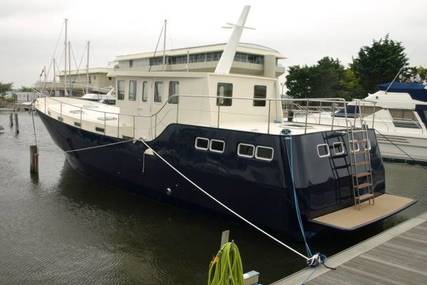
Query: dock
395 256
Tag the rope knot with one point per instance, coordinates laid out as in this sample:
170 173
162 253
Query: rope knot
318 259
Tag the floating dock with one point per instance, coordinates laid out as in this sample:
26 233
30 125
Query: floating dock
395 256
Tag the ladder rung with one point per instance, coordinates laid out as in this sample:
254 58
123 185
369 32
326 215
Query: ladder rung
362 174
357 131
359 163
365 197
362 186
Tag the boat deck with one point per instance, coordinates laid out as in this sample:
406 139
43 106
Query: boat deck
396 256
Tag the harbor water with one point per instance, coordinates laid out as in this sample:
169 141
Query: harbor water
63 227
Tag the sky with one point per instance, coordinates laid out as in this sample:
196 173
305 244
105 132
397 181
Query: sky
304 30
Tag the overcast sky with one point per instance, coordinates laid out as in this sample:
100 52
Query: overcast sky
302 30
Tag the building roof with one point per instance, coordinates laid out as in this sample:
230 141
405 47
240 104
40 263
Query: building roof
242 47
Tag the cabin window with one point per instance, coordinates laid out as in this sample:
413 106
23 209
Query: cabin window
260 93
120 89
245 150
264 153
173 92
201 143
158 91
404 119
338 148
217 146
132 90
131 63
144 91
354 146
323 150
224 94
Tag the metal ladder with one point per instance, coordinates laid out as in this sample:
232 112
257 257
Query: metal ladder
361 169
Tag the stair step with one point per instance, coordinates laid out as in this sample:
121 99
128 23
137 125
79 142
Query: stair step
365 197
363 185
359 163
362 174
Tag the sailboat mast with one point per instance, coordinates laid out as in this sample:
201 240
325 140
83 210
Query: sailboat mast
65 56
54 77
87 67
69 66
164 45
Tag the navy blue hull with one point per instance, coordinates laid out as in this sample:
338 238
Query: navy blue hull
258 190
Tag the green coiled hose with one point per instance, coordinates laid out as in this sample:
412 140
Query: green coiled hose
226 267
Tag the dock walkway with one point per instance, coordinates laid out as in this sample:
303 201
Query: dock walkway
396 256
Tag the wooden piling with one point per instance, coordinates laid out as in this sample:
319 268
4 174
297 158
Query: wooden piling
16 124
34 156
11 120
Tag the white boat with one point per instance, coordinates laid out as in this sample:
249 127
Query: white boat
398 113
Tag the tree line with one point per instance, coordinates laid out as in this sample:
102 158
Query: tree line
328 78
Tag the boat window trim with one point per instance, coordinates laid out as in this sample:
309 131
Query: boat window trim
120 90
226 100
342 147
215 150
327 148
134 91
260 99
201 148
245 155
264 158
158 92
173 87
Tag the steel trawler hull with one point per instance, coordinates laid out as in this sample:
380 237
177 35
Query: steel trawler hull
261 191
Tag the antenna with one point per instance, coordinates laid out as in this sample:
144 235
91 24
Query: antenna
65 56
227 57
394 79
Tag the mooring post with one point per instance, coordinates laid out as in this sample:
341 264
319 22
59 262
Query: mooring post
34 156
16 124
11 120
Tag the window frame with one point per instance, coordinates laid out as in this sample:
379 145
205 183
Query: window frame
121 96
327 148
245 155
352 143
173 100
215 150
263 158
260 100
159 92
224 98
135 83
342 147
144 91
201 148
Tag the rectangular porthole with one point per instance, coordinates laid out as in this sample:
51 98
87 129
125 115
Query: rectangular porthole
245 150
98 129
338 148
217 146
264 153
323 150
354 146
201 143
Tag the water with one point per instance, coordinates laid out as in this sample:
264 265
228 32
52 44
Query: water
65 227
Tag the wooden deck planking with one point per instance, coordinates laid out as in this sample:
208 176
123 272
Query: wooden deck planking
397 256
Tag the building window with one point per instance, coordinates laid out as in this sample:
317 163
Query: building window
217 146
201 143
131 63
144 91
173 91
224 93
260 93
158 91
132 90
323 150
156 60
120 89
213 56
245 150
264 153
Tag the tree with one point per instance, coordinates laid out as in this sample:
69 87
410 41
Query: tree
379 63
414 74
26 89
326 79
4 87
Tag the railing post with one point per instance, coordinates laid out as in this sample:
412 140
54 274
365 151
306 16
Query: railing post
118 125
81 114
177 110
133 126
219 111
105 122
306 117
155 125
268 119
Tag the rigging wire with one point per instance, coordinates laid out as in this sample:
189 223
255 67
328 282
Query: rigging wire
157 46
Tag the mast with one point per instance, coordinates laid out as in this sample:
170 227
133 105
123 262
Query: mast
69 66
54 77
164 45
65 56
87 67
